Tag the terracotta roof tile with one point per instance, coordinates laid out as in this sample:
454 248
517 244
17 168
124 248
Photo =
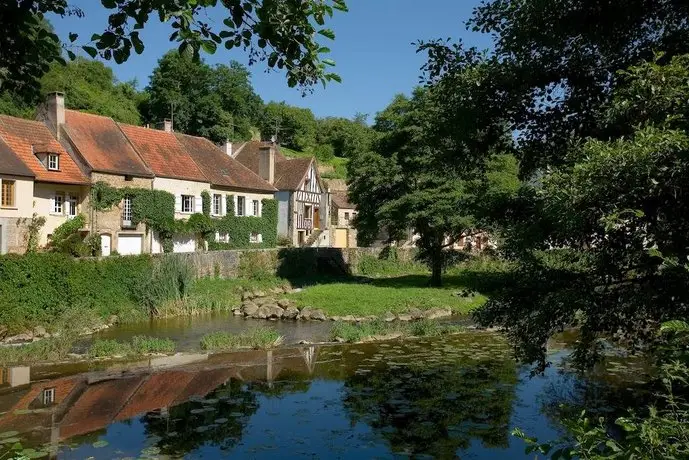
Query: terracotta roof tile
288 172
103 145
221 169
163 153
160 390
10 162
341 200
22 135
97 406
204 382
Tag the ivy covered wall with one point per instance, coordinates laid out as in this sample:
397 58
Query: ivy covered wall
239 228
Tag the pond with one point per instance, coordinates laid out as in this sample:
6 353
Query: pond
453 397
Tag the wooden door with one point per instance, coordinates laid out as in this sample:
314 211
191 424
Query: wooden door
316 218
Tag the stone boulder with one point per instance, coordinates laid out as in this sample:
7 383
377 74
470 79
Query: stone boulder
435 313
349 318
389 317
20 338
284 303
290 313
237 312
262 312
249 308
305 313
415 313
318 315
275 311
259 294
39 331
404 317
246 295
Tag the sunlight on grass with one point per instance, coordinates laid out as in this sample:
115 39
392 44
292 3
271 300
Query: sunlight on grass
259 337
358 332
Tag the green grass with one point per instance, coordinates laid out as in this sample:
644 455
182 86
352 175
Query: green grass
140 345
259 337
378 296
353 333
52 349
339 164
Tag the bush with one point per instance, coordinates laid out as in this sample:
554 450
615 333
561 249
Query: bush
109 348
145 345
140 345
169 282
52 349
67 238
257 266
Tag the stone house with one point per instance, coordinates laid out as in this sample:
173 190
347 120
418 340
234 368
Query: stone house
174 171
49 184
100 148
343 213
229 179
303 199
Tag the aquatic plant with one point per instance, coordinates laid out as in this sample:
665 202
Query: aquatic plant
259 337
145 345
358 332
140 345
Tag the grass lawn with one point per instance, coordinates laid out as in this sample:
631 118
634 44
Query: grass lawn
378 296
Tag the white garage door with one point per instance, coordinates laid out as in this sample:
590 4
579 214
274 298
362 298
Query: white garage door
129 244
184 243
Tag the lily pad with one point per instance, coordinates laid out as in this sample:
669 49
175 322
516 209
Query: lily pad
8 434
100 443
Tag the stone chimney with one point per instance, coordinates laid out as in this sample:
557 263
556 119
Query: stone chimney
266 162
55 112
166 125
227 147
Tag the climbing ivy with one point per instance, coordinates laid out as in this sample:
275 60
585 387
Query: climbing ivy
240 228
206 203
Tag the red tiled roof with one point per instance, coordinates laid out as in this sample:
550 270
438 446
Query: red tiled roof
103 145
22 135
204 382
163 153
10 162
222 169
97 406
160 390
341 200
289 173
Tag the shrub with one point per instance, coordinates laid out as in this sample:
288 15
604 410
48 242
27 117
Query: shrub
109 348
52 349
67 238
170 281
144 345
140 345
257 266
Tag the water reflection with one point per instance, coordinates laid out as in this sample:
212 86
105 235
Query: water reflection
444 398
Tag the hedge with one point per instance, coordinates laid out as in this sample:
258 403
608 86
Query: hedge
239 228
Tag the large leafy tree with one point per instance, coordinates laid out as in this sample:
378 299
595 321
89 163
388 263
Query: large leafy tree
347 137
283 34
215 102
408 183
295 126
92 87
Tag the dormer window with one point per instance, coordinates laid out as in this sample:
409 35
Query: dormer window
53 162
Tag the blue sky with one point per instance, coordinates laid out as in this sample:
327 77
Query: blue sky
373 50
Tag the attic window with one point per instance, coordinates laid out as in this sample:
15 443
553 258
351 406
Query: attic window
53 162
48 396
128 178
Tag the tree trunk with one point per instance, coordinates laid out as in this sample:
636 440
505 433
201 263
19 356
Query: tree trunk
436 267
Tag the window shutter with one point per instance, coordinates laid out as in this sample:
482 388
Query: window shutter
223 205
178 203
198 205
52 204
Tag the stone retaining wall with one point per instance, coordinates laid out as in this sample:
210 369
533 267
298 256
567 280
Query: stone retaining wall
285 262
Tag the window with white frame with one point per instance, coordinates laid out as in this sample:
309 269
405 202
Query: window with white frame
48 396
346 216
240 205
217 204
255 238
127 213
58 204
72 206
257 210
222 237
53 162
188 204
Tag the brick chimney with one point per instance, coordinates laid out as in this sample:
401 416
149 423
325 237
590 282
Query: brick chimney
55 112
266 162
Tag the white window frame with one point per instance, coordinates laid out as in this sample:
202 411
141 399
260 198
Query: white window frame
222 237
48 396
216 205
71 206
53 162
127 210
58 204
255 238
188 202
256 208
241 205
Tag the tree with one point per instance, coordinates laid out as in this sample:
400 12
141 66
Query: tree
282 34
238 98
295 126
345 136
618 213
92 87
408 182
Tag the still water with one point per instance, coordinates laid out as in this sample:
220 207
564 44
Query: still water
443 398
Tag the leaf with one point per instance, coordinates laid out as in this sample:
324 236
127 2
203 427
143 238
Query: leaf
71 55
100 443
327 33
73 37
209 46
93 52
329 62
138 44
110 4
323 50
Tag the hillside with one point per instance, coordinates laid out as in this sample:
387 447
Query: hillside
333 168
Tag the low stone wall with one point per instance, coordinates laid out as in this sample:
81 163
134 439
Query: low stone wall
285 262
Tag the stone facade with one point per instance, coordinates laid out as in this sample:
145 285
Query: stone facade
110 222
13 235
